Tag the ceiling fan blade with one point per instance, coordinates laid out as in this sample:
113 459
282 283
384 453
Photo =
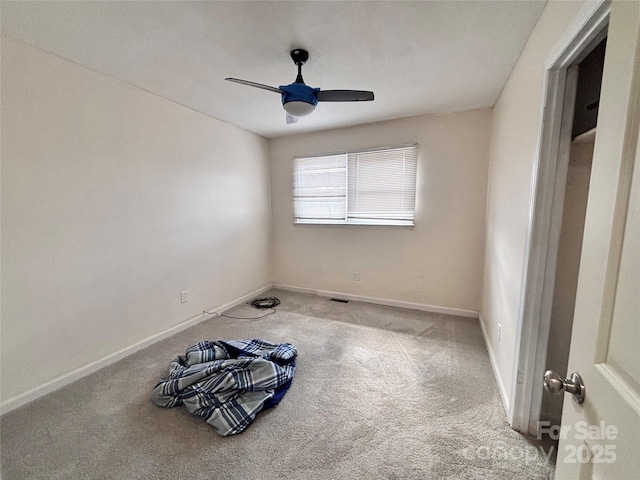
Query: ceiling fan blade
254 84
291 119
344 96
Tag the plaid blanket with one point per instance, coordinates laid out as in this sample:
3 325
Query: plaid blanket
228 383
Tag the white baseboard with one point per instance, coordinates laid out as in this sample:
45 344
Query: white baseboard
63 380
291 288
494 367
381 301
243 299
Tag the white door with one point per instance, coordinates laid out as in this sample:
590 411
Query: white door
601 437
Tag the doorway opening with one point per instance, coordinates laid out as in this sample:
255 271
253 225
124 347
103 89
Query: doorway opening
576 191
582 38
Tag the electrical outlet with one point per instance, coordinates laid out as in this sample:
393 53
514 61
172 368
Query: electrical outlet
419 283
183 296
356 276
499 332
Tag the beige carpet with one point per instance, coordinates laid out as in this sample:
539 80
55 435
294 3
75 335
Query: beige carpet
379 392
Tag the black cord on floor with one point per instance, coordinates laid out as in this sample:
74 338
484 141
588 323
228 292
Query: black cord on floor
261 303
265 302
273 310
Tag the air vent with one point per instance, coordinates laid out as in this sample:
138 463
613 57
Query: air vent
339 300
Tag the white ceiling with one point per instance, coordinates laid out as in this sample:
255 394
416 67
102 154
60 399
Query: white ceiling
418 57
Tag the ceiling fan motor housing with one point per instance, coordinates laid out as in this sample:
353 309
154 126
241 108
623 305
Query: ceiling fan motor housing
299 92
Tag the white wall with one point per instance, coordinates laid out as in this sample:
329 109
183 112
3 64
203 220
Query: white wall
513 144
446 244
567 266
113 201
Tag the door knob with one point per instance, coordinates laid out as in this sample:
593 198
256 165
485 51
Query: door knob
554 383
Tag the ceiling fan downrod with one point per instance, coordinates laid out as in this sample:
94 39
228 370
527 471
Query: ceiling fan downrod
299 57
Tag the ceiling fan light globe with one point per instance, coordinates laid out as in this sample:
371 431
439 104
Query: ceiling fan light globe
299 109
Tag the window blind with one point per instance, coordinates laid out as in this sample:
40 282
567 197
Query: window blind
382 186
370 187
320 189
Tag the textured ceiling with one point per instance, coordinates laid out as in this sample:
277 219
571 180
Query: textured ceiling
418 57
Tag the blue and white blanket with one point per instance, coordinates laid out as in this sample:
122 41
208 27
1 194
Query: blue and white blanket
228 383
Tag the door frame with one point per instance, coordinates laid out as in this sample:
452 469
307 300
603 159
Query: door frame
545 211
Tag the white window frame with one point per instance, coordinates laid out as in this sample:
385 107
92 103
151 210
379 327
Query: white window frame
404 216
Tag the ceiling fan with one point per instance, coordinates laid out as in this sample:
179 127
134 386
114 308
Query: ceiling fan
298 99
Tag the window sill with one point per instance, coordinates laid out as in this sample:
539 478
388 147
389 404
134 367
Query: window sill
352 224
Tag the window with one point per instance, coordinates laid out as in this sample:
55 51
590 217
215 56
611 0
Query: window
370 187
